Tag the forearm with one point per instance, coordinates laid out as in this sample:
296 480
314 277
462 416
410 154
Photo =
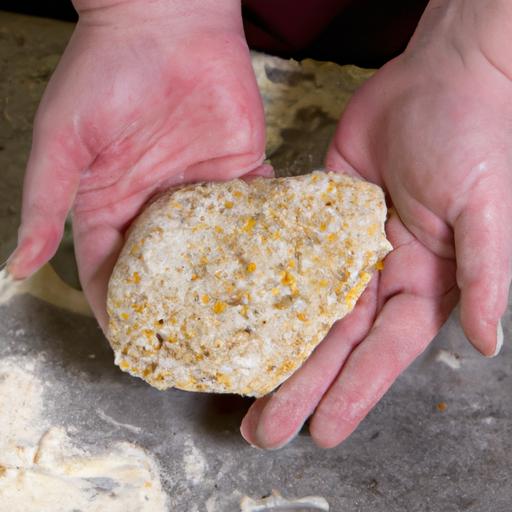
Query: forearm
470 27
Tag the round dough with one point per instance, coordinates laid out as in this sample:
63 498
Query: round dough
228 287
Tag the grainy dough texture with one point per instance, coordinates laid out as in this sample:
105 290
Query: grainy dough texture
228 287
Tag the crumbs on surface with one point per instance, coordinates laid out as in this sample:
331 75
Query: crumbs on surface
442 406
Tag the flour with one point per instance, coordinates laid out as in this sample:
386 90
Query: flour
276 502
448 358
108 419
289 87
194 463
42 470
20 406
211 504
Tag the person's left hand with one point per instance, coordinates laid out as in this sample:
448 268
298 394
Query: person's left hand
433 128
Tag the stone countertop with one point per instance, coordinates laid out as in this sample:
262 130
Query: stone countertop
410 454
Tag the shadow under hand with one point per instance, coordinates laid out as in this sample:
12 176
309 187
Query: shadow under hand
222 414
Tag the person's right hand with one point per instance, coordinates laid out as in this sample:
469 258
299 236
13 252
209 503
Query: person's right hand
147 95
433 128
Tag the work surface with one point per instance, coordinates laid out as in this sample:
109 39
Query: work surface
440 440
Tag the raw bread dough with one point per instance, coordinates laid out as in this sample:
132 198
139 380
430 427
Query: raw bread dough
228 287
291 91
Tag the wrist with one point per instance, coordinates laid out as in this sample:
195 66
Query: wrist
174 12
470 28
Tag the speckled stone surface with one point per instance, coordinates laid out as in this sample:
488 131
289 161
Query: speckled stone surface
408 455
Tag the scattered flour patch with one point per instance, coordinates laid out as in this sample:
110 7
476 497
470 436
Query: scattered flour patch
21 403
194 462
211 504
111 421
448 358
42 469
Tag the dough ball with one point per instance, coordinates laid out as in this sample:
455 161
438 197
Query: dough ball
228 287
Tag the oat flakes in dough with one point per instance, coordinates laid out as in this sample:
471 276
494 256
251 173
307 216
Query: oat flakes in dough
228 287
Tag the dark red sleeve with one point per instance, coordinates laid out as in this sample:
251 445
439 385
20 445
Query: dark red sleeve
288 24
363 32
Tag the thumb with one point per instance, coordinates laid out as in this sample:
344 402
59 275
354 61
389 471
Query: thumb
335 161
50 185
348 152
483 245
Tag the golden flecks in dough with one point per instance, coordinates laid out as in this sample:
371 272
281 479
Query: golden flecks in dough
219 307
228 287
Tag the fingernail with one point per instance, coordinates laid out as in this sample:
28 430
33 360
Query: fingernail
11 260
25 253
246 439
275 444
246 433
266 170
499 339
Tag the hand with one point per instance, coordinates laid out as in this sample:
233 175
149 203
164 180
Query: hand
146 95
433 127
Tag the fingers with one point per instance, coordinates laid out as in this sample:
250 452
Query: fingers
401 332
97 250
228 168
334 161
250 421
411 268
350 150
99 237
274 420
51 182
264 171
483 242
411 312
